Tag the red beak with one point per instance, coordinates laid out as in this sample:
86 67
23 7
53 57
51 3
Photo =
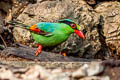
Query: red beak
79 33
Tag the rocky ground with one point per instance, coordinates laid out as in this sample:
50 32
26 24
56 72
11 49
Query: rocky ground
95 58
107 70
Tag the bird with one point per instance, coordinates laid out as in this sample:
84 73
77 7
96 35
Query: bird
49 34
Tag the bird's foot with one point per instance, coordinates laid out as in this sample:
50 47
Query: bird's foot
63 53
38 51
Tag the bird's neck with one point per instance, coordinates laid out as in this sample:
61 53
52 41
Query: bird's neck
68 30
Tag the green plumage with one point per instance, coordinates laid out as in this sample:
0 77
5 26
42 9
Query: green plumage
51 34
57 33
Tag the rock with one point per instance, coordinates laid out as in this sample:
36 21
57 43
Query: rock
94 69
1 23
3 7
36 72
56 71
60 76
13 8
110 24
6 74
79 73
21 35
96 78
77 10
88 20
50 11
88 70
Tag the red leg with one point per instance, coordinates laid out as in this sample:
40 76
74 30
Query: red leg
38 51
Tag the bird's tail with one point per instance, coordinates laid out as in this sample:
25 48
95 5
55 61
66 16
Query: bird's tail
19 24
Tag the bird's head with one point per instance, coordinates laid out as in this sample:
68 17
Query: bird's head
74 26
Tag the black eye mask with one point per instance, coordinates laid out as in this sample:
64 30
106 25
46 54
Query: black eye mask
71 24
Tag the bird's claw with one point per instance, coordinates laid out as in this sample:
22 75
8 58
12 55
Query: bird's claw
63 53
38 51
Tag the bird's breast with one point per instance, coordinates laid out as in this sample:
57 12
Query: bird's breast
50 41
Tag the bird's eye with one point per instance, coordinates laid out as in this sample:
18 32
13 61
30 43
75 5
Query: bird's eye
73 25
